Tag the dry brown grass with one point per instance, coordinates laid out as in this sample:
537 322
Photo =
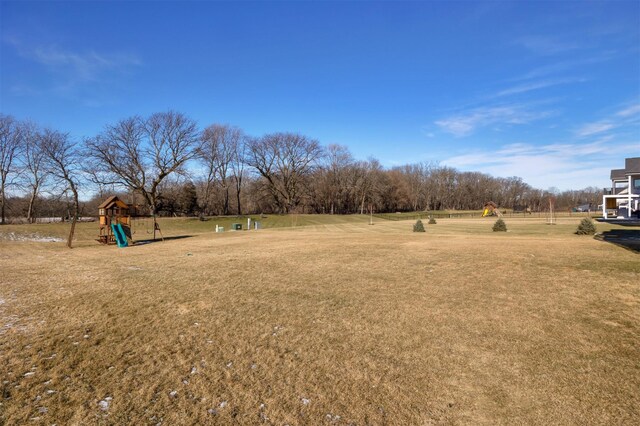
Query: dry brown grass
336 324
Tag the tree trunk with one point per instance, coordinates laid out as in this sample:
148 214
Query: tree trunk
32 201
76 209
226 201
2 207
238 199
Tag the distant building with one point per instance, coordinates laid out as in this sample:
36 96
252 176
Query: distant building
622 200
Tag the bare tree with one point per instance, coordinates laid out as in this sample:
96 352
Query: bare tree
334 177
284 160
11 142
237 167
62 159
220 144
138 154
367 184
34 173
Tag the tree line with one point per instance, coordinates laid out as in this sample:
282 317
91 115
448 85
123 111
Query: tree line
168 165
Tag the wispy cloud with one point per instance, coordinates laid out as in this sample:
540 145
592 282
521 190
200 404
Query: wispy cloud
88 66
629 111
594 128
466 123
628 117
562 165
546 45
83 75
537 85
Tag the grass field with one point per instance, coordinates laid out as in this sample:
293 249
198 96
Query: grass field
321 320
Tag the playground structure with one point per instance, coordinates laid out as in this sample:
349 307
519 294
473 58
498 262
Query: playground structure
490 209
117 221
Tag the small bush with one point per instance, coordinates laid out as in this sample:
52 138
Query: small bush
418 227
432 221
586 227
499 226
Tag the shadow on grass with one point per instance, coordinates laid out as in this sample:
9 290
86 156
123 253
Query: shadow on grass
159 240
625 238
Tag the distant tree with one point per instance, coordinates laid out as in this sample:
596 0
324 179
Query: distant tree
62 159
332 180
35 172
284 160
369 183
432 220
11 142
188 199
418 226
139 154
238 163
221 153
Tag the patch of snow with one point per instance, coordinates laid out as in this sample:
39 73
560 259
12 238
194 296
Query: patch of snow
212 411
36 238
194 370
173 393
305 401
104 404
332 417
42 410
223 404
230 364
29 374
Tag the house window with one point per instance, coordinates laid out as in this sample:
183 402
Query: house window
636 183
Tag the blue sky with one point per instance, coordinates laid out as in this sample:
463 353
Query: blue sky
548 91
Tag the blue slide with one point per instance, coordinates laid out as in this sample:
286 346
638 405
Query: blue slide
121 238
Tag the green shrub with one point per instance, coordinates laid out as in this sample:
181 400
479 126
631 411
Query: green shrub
586 227
499 226
432 221
418 227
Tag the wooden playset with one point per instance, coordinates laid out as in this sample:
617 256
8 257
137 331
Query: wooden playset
491 209
117 220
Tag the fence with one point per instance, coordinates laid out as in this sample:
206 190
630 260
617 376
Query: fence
451 215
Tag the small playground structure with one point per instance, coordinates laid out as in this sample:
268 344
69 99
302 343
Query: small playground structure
490 209
117 221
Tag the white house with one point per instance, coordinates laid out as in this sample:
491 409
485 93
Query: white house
622 201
